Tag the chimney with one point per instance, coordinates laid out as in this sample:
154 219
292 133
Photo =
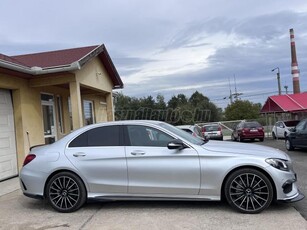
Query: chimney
294 67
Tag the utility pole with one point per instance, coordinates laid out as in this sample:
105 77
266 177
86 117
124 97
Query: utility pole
236 94
278 79
230 95
286 88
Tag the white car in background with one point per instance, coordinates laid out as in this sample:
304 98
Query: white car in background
282 128
213 131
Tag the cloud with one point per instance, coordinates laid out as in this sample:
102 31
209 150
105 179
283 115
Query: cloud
171 46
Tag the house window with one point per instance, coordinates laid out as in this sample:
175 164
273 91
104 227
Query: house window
88 112
48 112
60 113
70 113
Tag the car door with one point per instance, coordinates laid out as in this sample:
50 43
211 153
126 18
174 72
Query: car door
99 156
155 169
280 130
301 134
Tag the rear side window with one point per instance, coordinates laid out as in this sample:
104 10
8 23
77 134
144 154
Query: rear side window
101 136
212 128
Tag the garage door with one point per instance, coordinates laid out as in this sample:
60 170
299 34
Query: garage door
8 158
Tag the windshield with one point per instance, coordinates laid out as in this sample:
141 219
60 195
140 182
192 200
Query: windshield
182 134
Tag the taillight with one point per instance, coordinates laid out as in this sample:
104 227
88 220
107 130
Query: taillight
28 159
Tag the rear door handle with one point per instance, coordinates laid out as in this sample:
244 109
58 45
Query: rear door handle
79 154
137 152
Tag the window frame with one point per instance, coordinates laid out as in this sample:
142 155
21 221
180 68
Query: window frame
127 140
120 136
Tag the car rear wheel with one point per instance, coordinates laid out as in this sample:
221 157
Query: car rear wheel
273 135
261 139
239 138
248 191
66 192
289 145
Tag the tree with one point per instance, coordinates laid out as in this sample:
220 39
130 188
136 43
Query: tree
179 110
240 110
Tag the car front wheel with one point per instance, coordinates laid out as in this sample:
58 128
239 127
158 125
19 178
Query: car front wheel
66 192
289 145
248 191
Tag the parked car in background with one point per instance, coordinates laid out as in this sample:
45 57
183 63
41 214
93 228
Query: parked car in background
152 160
282 128
248 130
212 131
297 138
194 130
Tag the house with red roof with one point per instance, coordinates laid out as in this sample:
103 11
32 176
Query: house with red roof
44 96
286 103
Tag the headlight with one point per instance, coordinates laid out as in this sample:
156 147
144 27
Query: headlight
278 163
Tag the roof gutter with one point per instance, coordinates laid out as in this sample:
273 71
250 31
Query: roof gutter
35 70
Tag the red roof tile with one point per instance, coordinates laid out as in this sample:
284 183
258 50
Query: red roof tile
12 60
54 58
285 103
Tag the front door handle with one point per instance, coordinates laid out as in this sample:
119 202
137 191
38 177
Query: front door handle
137 152
79 154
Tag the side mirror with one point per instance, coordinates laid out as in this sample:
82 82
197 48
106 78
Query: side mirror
176 144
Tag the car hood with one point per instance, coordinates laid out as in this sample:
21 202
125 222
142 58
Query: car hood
228 147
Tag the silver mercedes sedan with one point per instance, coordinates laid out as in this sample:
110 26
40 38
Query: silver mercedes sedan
152 160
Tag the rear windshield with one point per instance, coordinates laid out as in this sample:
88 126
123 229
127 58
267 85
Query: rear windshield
291 123
251 125
211 128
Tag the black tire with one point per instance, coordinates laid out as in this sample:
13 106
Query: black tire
289 145
261 139
273 135
239 138
248 191
66 192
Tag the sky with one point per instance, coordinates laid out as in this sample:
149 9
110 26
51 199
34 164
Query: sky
169 47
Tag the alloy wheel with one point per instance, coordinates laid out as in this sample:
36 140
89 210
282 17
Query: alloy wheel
66 192
249 191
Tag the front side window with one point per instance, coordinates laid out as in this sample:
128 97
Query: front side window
101 136
146 136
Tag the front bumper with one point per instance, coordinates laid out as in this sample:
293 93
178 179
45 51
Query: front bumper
299 197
